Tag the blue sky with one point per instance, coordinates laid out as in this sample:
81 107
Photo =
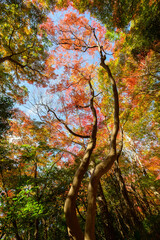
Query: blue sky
36 92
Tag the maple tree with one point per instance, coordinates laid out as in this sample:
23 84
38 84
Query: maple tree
73 41
84 130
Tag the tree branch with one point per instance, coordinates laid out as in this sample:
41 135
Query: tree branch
66 126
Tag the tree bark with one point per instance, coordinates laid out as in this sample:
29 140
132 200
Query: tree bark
74 230
16 230
36 232
104 166
109 230
125 194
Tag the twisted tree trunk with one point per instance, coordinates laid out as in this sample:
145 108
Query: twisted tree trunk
73 226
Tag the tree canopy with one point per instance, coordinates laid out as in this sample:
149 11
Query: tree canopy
82 161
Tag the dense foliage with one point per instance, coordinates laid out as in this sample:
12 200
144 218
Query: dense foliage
83 161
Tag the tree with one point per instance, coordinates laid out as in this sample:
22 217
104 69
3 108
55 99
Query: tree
23 47
87 40
6 111
139 18
83 125
32 188
82 40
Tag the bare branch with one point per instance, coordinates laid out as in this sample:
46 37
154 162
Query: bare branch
78 106
66 126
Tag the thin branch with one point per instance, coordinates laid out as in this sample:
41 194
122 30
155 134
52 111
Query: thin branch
121 145
10 40
78 106
80 213
66 126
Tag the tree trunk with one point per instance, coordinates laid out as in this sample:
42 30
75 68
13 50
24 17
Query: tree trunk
125 195
74 230
36 232
106 216
16 230
107 163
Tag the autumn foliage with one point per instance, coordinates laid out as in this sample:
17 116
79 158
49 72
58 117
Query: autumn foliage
79 140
